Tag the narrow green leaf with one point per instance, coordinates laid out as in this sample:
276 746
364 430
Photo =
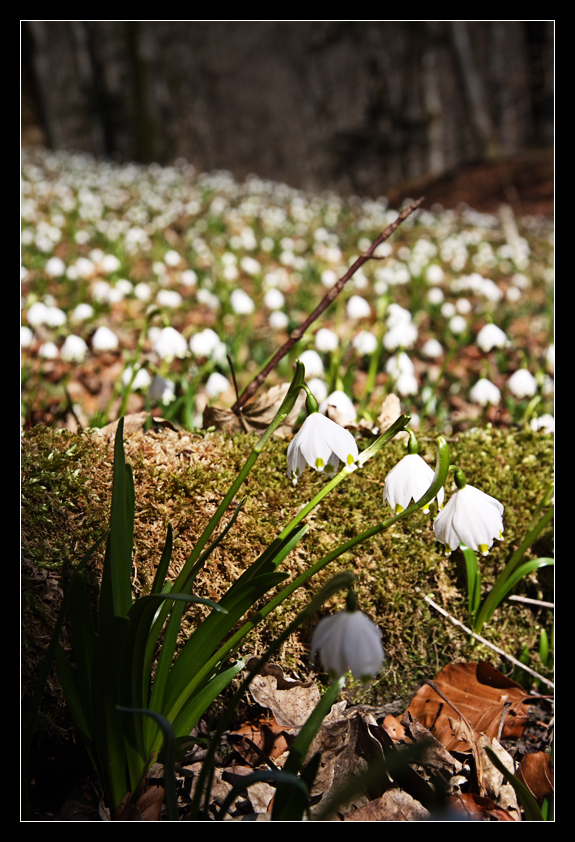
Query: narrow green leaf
162 571
499 593
169 758
200 702
528 802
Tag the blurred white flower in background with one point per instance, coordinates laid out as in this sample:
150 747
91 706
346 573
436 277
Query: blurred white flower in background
402 335
312 363
189 278
358 307
142 380
250 265
241 302
55 267
545 423
435 295
104 340
365 342
82 312
48 351
522 384
169 298
490 336
274 299
74 349
457 325
162 390
26 336
434 274
326 340
170 344
484 392
207 343
432 349
318 388
172 258
142 291
341 402
278 320
216 384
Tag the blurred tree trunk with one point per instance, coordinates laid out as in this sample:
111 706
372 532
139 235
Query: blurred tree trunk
356 106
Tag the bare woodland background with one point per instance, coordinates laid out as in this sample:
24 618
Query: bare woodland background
354 106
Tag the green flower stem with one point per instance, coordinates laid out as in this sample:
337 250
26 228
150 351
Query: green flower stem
493 597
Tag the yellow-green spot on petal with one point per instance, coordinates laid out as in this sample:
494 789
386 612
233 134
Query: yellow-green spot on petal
483 549
349 459
329 469
319 463
398 508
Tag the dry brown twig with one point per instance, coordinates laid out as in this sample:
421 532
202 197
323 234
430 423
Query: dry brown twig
330 296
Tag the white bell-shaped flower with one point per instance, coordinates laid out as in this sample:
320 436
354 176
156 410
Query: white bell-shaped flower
470 517
320 443
348 641
408 481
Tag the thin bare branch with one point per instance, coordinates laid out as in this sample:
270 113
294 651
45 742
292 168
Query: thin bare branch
330 296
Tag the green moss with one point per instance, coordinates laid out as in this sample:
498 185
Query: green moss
67 488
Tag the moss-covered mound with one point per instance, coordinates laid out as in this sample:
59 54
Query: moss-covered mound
180 477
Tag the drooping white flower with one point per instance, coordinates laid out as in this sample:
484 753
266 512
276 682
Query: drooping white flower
522 384
408 481
485 392
490 336
470 517
348 641
320 443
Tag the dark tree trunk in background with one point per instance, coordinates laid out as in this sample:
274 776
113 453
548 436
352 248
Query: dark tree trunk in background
354 106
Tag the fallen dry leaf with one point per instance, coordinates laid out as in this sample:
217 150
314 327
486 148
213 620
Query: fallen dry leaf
502 794
480 692
291 701
395 805
536 772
